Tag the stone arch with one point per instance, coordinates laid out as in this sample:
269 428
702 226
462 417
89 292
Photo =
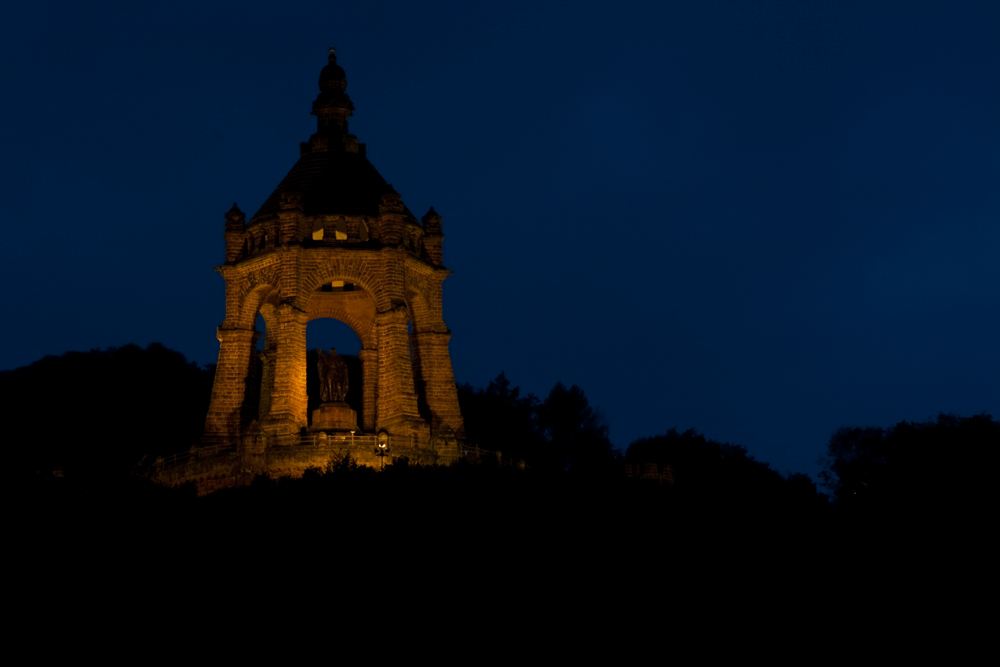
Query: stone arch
358 310
417 310
251 301
269 311
422 297
361 320
349 270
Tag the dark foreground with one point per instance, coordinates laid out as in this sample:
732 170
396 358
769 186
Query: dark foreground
480 524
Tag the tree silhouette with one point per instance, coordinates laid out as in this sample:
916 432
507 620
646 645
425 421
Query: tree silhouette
577 434
499 418
925 466
562 434
102 411
709 474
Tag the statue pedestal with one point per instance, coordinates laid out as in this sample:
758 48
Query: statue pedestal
334 417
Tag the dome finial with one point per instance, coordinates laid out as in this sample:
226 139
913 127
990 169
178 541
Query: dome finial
331 107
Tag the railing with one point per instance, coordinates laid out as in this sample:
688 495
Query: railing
477 452
193 453
323 440
320 441
654 471
311 441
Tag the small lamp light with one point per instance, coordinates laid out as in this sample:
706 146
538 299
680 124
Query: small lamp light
383 447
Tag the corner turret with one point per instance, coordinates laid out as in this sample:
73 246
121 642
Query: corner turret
433 236
235 233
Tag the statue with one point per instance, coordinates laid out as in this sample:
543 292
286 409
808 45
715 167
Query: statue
332 376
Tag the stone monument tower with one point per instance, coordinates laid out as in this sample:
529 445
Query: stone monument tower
334 240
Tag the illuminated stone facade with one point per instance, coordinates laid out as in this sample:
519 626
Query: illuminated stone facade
334 240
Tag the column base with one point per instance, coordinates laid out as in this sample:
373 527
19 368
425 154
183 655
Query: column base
282 431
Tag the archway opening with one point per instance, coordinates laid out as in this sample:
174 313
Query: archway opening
256 396
261 328
324 333
419 386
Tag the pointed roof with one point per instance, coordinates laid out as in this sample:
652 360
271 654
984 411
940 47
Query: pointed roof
333 175
331 183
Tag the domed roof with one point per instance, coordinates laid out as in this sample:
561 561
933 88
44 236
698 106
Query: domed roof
333 175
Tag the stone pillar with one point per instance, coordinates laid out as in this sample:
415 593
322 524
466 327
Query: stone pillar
439 381
396 398
288 391
222 424
267 357
369 381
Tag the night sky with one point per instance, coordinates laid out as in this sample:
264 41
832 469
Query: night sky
759 220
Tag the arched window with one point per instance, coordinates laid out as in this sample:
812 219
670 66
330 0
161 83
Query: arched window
340 230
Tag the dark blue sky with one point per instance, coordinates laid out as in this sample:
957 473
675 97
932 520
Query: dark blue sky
759 220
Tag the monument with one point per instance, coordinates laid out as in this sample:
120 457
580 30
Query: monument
333 240
333 414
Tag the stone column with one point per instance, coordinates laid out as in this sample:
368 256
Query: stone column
222 424
288 391
266 383
369 381
396 399
439 381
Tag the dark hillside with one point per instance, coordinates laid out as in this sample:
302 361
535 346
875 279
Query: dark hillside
100 412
